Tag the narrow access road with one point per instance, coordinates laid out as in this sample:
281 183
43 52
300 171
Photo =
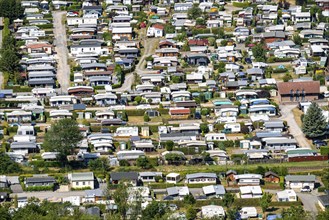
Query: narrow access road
294 129
150 45
1 76
63 69
126 86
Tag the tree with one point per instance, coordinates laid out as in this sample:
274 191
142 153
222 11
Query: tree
233 213
120 197
169 145
154 210
323 215
228 199
294 213
297 40
189 199
11 9
173 158
100 164
63 136
314 123
143 162
194 12
204 128
286 77
146 117
124 163
138 99
259 52
7 165
265 201
191 213
9 61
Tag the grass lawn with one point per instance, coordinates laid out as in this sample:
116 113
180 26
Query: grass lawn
136 119
297 116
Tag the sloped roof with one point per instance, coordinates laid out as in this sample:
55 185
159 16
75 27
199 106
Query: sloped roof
309 87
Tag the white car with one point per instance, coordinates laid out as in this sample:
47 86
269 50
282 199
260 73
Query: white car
306 189
145 106
71 14
326 94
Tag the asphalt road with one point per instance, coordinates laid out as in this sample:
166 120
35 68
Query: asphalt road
63 69
126 86
294 129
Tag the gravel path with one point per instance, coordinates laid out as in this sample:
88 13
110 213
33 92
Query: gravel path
63 69
294 129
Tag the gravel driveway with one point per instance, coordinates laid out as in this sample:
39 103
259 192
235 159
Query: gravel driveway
63 69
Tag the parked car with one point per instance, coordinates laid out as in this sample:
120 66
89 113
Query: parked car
306 189
319 143
248 60
71 14
144 106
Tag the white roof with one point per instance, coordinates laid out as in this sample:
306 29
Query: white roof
122 30
251 189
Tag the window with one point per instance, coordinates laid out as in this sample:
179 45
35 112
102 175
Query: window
297 95
291 95
83 183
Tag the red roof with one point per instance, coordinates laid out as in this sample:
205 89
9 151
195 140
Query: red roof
309 87
179 111
158 26
199 42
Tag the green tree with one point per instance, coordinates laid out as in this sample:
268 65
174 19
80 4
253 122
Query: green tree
100 164
138 99
124 163
323 215
228 199
120 197
7 165
232 213
9 61
191 213
295 213
143 162
204 128
11 9
189 199
259 52
286 77
297 40
154 210
265 201
194 12
314 123
169 145
146 117
62 137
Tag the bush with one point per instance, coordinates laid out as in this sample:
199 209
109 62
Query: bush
45 26
321 189
241 4
80 189
324 150
39 188
135 112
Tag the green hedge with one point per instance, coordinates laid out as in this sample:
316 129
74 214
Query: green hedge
275 204
324 150
19 88
39 188
45 26
135 112
241 4
79 189
163 111
42 163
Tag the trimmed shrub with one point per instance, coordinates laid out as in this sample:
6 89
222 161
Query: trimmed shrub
39 188
324 150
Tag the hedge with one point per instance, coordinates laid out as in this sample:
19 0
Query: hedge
39 188
163 111
82 188
19 88
42 163
324 150
298 203
135 112
45 26
241 4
